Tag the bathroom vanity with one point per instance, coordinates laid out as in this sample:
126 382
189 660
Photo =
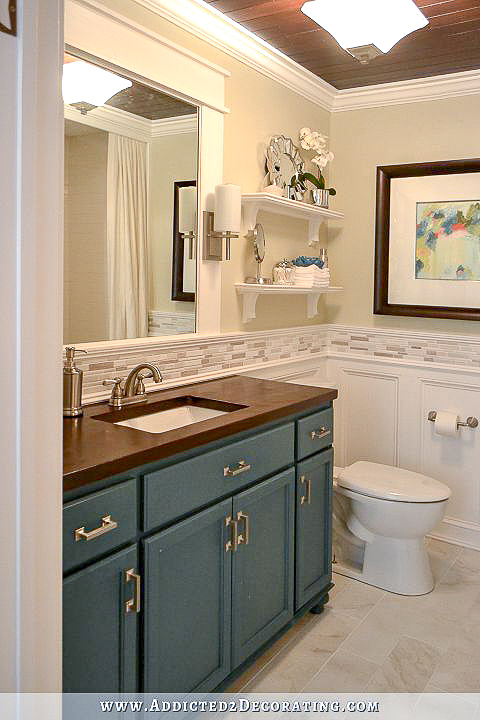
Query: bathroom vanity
187 551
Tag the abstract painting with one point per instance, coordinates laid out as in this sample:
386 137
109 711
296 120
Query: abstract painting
448 240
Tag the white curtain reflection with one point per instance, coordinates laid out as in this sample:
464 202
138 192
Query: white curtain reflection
127 237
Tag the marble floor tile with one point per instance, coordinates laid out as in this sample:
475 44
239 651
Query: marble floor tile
442 556
368 639
302 658
459 669
344 672
408 668
445 707
357 599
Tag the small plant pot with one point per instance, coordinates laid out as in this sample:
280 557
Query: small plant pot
320 197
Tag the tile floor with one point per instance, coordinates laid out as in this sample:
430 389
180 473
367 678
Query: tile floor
374 641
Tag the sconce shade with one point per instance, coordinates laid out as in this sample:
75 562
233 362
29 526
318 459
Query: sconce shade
228 208
86 83
187 209
371 22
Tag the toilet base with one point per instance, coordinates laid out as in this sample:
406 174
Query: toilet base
400 566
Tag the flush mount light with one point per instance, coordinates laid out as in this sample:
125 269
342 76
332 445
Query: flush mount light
87 86
367 28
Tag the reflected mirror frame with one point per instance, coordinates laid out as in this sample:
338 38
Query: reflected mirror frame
178 249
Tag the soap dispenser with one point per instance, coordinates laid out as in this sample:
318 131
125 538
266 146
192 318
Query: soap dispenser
72 384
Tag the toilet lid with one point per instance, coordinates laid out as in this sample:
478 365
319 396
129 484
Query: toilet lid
391 483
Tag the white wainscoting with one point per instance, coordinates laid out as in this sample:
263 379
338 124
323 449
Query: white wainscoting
381 416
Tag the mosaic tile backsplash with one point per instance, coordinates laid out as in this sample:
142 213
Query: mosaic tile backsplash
182 359
191 359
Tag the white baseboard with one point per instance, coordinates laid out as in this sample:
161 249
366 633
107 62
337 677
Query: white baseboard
458 532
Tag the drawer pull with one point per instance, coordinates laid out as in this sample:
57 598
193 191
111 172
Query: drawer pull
305 499
232 541
133 605
244 538
238 470
107 525
322 432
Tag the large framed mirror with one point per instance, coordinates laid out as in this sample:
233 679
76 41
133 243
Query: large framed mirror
125 152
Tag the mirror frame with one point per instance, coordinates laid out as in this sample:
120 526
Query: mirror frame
114 41
178 248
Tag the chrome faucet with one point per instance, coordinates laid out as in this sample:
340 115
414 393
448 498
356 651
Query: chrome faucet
133 390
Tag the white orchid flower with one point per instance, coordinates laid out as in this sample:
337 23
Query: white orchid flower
320 161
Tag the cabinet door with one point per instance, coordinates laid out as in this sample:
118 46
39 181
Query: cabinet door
100 639
187 603
313 526
263 563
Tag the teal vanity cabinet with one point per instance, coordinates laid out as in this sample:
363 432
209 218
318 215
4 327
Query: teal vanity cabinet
231 541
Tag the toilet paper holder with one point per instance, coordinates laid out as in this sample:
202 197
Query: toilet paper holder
471 421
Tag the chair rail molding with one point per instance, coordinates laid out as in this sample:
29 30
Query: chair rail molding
215 28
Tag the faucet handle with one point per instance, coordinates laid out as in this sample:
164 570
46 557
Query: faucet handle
117 392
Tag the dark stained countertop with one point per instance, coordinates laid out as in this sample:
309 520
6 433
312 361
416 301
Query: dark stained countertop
95 448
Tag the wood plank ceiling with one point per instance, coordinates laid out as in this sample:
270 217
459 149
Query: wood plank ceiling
449 43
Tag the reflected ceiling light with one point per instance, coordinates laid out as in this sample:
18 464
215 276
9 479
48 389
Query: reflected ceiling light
366 28
88 86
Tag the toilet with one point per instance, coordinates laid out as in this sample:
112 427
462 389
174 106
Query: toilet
381 517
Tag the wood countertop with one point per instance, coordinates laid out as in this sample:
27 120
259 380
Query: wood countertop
95 448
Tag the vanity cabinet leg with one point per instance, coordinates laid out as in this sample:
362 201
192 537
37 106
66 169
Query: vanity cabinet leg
319 608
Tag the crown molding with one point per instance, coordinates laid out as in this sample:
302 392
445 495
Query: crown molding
113 120
438 87
215 28
180 125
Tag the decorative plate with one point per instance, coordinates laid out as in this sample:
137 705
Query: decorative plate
283 160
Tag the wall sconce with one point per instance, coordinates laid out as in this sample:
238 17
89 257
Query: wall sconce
12 14
187 216
223 222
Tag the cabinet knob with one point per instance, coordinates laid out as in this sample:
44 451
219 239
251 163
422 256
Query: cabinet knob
232 541
107 526
133 605
322 432
244 538
307 482
242 467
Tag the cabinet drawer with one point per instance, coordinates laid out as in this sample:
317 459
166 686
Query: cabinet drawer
98 523
178 489
314 433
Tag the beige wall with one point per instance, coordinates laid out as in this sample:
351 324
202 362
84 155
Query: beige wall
260 108
363 139
171 158
85 258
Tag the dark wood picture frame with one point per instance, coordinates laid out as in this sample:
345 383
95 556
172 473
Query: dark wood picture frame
385 174
178 247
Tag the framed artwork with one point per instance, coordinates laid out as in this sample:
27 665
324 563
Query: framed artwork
183 276
427 240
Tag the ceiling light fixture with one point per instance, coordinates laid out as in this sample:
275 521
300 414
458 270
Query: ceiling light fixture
87 86
368 28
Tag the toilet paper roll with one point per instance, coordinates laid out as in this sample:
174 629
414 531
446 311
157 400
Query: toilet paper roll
446 423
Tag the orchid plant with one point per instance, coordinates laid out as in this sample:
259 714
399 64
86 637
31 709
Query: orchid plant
313 140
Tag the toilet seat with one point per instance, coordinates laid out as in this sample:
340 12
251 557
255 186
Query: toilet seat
391 483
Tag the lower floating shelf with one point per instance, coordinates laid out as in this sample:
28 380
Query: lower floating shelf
249 293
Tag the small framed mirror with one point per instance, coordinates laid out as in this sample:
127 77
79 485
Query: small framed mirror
183 252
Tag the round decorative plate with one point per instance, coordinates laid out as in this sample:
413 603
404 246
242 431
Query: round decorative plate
283 160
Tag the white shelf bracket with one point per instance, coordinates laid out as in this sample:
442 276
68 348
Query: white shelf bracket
313 231
250 212
312 304
249 301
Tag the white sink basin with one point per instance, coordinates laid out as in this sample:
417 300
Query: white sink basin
176 417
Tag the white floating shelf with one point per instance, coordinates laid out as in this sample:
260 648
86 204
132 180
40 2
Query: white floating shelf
249 293
253 202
